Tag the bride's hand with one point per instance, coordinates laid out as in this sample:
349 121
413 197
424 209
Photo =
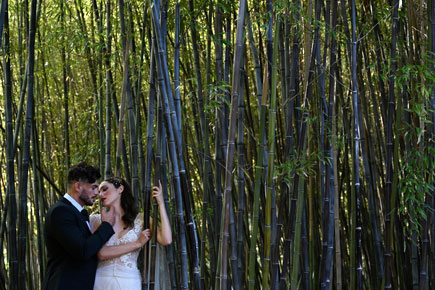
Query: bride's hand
157 194
144 237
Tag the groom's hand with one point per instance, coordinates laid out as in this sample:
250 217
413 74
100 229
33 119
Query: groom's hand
108 215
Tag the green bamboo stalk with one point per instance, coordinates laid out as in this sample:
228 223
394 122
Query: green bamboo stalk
260 167
299 186
298 224
270 186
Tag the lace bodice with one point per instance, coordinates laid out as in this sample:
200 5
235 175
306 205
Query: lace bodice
128 260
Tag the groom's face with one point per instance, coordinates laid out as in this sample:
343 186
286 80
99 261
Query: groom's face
88 192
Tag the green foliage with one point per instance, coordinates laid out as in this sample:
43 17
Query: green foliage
304 166
415 185
217 97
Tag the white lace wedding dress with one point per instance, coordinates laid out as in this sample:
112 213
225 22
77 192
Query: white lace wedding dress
122 272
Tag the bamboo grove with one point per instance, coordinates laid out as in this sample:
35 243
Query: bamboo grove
294 139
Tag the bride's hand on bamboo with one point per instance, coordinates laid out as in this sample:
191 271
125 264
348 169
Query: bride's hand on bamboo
157 194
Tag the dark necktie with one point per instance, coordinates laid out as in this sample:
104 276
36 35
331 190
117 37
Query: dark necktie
85 214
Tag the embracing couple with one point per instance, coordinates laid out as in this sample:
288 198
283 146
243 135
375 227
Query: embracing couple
100 251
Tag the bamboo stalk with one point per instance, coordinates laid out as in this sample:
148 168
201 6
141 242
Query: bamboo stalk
299 183
258 181
223 240
22 236
389 159
358 225
270 186
171 143
10 173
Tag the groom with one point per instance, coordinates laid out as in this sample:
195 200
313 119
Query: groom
72 248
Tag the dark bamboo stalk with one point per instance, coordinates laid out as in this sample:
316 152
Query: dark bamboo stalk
190 222
432 143
207 223
173 153
19 121
10 173
221 282
330 182
177 44
371 174
389 158
216 203
238 250
2 20
65 88
26 151
120 119
356 136
293 92
109 87
149 154
203 113
127 90
99 97
37 193
153 247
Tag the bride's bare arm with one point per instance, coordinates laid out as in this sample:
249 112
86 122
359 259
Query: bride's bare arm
164 232
110 252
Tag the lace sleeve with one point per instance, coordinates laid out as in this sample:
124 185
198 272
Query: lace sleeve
95 221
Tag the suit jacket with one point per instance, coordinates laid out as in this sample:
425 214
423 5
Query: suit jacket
71 248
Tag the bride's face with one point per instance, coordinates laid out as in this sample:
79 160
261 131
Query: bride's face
109 194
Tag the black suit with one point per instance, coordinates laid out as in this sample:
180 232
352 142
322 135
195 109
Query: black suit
72 248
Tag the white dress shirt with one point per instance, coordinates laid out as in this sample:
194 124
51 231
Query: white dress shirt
76 205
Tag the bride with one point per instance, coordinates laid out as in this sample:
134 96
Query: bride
117 267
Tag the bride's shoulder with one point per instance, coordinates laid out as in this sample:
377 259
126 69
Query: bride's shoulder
138 221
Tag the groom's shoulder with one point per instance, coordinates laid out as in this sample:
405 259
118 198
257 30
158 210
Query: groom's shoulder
62 206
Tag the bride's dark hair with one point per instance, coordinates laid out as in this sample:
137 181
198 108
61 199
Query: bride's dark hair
127 200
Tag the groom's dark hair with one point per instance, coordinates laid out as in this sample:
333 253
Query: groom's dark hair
83 172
